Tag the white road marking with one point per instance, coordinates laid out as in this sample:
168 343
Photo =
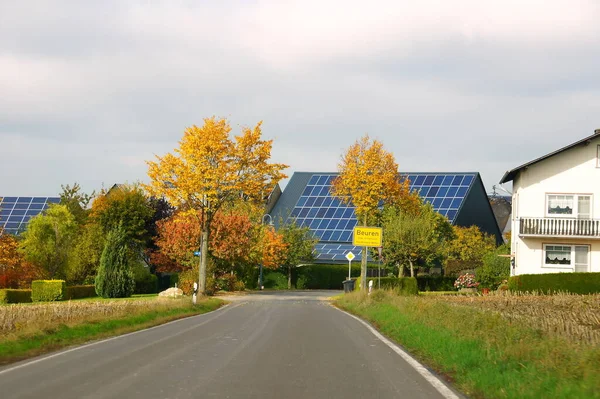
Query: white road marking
432 379
227 306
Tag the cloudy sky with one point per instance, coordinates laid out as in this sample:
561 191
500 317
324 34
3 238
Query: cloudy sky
90 90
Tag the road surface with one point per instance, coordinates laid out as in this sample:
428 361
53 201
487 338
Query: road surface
268 345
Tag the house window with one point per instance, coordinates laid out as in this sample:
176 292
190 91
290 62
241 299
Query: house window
574 257
569 205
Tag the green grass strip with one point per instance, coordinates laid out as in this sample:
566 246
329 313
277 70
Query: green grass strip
497 361
64 336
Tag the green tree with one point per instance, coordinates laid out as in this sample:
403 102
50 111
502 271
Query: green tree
411 237
468 248
368 178
126 206
115 278
84 259
496 267
76 202
300 247
49 238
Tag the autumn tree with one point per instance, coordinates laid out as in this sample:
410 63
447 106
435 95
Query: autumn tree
178 237
300 247
10 259
468 248
84 259
49 238
411 237
368 178
209 169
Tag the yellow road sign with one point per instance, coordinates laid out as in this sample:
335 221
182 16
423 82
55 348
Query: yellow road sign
350 256
367 236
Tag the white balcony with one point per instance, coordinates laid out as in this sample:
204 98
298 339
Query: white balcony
559 227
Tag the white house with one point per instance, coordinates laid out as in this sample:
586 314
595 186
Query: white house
556 211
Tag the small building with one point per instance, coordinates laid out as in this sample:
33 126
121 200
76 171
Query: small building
555 227
461 197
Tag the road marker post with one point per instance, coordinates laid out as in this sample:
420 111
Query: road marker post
350 256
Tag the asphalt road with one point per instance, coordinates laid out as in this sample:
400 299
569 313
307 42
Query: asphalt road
271 345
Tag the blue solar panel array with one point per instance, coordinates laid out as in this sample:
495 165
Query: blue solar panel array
332 222
15 212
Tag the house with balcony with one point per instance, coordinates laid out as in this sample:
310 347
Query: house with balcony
556 210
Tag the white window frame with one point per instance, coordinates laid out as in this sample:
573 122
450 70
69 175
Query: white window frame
575 213
570 266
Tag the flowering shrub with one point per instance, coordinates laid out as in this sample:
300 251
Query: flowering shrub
466 280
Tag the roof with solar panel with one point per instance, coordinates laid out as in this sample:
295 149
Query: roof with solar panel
461 197
15 212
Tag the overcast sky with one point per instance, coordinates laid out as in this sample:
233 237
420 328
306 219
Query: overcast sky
90 90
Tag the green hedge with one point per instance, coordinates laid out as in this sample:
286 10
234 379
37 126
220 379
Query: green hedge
147 284
274 280
402 285
80 291
435 283
47 290
15 296
322 276
576 283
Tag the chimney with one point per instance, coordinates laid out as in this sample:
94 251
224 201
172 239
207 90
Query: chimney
597 131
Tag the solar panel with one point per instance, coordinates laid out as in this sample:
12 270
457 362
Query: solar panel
331 221
15 212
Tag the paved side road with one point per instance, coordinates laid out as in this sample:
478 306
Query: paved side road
272 345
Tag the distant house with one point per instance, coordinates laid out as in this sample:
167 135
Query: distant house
307 200
556 209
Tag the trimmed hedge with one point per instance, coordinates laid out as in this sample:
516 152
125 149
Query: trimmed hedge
15 296
148 284
48 290
323 276
80 291
436 283
402 285
576 283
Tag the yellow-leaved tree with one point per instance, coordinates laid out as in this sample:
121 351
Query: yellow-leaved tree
210 169
368 178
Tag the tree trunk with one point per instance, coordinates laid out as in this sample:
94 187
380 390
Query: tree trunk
203 259
400 270
363 266
289 277
412 270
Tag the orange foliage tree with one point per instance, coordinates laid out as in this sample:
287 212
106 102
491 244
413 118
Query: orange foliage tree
368 178
274 249
209 170
15 272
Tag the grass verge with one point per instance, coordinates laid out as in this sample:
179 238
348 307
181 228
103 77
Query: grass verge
482 353
18 346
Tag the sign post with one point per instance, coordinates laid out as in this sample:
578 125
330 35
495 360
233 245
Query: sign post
350 256
379 252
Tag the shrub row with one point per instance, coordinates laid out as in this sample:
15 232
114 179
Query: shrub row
324 276
436 283
147 284
402 285
15 296
576 283
48 290
80 291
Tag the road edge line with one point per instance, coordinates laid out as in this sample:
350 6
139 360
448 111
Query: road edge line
435 381
63 352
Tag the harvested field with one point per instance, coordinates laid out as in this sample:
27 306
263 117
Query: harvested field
572 316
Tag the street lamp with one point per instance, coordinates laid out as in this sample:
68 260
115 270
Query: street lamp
260 273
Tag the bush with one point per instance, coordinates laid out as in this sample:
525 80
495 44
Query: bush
15 296
435 283
322 276
147 284
456 267
80 291
402 285
226 282
115 278
239 286
576 283
274 280
47 290
495 268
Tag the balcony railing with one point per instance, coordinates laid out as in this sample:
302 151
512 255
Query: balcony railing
559 227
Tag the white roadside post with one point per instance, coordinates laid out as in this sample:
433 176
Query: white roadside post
194 294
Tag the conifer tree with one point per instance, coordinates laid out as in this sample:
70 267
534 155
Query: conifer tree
115 278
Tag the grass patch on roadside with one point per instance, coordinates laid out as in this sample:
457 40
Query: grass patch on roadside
484 354
22 343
